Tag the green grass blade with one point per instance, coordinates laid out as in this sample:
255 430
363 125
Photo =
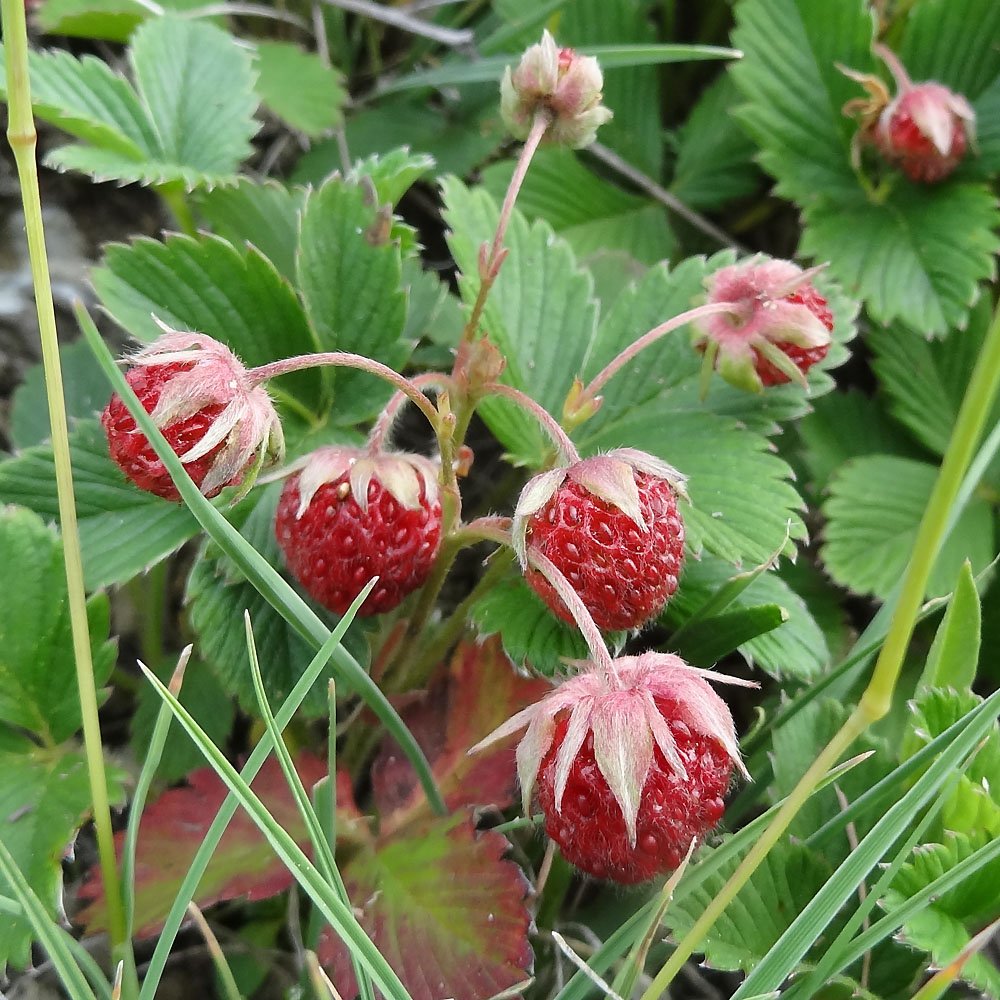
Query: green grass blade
323 848
259 572
632 930
153 755
782 959
323 895
210 842
45 930
490 70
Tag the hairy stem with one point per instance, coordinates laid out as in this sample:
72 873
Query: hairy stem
343 359
490 261
877 698
567 450
22 137
383 426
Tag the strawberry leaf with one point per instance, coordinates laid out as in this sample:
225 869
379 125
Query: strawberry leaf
299 87
478 692
206 284
873 511
443 907
243 867
38 691
108 507
945 925
44 798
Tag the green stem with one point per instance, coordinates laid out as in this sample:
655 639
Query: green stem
22 137
877 698
175 199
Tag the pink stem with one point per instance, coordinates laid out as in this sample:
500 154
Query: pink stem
342 359
383 425
588 627
491 529
896 68
490 266
566 448
616 364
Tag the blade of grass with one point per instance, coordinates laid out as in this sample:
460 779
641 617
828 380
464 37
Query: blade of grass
153 755
632 930
178 909
783 957
229 988
45 929
323 849
323 895
267 581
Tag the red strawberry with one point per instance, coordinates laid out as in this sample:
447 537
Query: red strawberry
197 392
778 329
348 516
632 764
610 525
925 131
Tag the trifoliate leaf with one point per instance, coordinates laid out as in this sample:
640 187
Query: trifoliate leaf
443 907
207 284
299 87
946 924
873 512
110 510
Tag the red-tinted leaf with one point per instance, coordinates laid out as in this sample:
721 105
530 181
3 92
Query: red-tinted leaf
445 910
244 865
479 692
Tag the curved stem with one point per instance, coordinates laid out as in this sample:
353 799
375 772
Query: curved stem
877 698
896 68
588 627
616 364
486 529
380 431
490 261
22 137
567 450
343 359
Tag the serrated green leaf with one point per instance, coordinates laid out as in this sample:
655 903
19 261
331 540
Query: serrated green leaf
846 425
44 797
350 278
795 649
217 597
541 314
207 284
917 257
873 511
974 804
532 636
85 393
953 42
926 380
954 653
795 92
38 690
299 87
779 888
112 20
110 510
943 927
197 83
264 213
714 156
392 174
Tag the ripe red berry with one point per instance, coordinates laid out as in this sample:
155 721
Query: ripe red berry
624 574
199 395
348 516
674 810
778 326
632 759
924 131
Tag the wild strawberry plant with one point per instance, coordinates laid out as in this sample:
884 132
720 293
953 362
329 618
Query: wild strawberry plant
470 423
